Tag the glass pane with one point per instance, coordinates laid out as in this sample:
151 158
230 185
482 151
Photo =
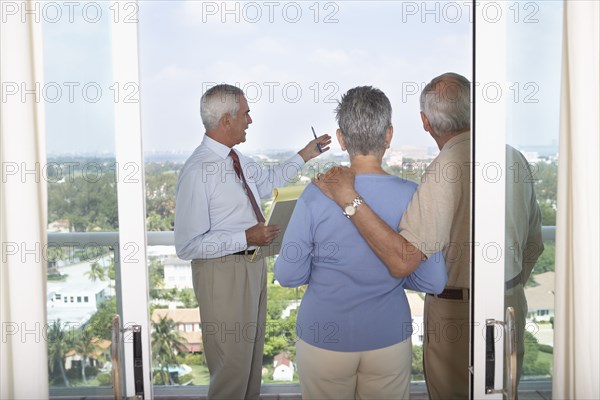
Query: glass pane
293 60
82 196
534 66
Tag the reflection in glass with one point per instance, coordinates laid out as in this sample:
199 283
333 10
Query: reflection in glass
82 194
534 52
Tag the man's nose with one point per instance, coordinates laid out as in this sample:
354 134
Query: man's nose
249 119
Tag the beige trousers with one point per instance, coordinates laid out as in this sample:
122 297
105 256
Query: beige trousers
375 374
232 295
446 348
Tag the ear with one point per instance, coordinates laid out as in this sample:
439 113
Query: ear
340 138
388 136
225 121
426 124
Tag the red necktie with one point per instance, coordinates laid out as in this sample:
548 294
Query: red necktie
237 167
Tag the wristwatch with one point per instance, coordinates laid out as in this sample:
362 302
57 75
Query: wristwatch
350 208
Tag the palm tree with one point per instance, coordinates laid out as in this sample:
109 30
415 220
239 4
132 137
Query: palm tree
85 347
57 347
96 272
166 342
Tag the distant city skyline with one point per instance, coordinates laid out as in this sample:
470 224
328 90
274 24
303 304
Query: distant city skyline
294 60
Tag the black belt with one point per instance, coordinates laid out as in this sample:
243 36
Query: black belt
242 253
453 294
463 294
513 282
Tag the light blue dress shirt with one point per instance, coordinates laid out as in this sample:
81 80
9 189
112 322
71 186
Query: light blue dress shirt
212 210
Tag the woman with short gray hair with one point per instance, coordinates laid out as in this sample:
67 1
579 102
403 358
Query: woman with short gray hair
354 323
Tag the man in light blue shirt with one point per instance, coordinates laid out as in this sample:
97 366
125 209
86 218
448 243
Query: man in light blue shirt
217 225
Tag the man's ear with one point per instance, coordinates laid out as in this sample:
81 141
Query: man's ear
426 124
340 138
225 121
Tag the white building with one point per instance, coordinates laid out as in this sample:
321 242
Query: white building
178 273
540 299
283 368
75 299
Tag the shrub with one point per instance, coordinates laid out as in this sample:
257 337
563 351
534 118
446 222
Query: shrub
90 371
545 348
193 359
105 379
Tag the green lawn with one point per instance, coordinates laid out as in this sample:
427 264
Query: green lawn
545 357
200 374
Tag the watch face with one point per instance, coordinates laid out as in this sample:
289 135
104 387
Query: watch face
349 209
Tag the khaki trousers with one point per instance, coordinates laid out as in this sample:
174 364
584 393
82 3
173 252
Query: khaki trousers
375 374
232 295
446 348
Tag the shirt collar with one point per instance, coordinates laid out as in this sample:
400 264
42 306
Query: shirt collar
457 139
219 148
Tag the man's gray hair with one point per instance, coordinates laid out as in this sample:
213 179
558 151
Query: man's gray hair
364 115
446 102
218 101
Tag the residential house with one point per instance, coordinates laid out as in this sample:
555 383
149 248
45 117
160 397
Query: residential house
283 368
540 298
187 321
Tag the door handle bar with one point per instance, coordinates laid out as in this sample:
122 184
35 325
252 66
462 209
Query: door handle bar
510 376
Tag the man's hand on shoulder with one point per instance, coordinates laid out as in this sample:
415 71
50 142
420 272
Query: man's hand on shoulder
261 234
337 184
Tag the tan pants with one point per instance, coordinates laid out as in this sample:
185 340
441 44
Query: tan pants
232 295
446 348
375 374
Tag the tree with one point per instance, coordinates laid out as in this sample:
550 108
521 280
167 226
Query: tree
96 272
85 347
531 365
544 263
58 345
545 177
417 363
188 298
161 180
548 213
156 277
112 273
87 197
166 342
100 324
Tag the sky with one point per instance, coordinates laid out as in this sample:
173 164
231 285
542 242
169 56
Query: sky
294 60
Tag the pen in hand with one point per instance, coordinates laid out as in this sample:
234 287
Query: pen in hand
315 135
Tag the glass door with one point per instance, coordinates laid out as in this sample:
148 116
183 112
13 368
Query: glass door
516 112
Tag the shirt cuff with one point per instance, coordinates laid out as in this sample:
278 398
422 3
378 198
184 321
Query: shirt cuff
296 159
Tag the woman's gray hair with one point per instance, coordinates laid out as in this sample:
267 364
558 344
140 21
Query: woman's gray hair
218 101
364 115
446 102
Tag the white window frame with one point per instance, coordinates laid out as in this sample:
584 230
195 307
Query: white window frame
488 146
131 198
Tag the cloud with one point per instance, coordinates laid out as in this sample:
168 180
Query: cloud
216 18
270 45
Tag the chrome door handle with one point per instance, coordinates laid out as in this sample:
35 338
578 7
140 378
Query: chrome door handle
116 359
510 346
510 351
